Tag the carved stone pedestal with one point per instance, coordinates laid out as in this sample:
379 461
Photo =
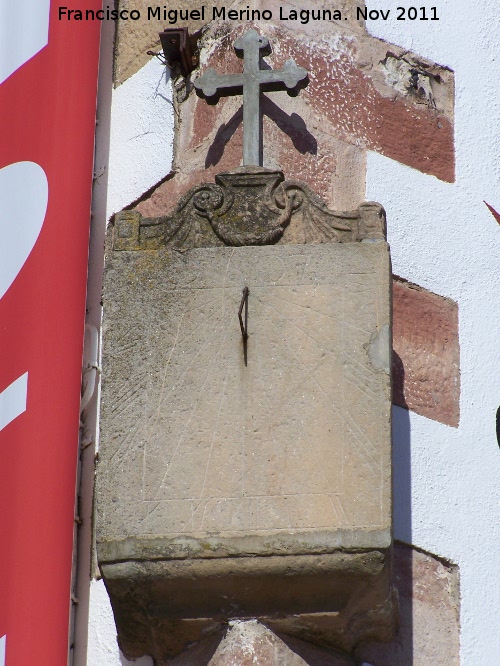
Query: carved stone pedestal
260 490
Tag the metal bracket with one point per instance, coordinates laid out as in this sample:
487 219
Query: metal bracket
244 323
178 49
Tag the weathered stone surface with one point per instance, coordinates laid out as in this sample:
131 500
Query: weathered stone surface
426 359
210 472
163 606
279 444
429 630
135 38
249 643
248 206
370 95
429 623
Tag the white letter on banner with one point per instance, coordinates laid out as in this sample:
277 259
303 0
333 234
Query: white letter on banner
24 30
3 641
24 193
12 404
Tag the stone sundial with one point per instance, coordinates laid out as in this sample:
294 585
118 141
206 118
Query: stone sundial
229 489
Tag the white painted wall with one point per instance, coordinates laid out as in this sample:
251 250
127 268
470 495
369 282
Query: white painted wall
444 238
102 646
142 133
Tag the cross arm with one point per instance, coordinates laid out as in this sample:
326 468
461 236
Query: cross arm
212 84
292 77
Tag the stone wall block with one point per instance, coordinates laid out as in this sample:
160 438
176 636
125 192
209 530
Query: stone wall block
354 101
233 489
426 353
429 627
135 38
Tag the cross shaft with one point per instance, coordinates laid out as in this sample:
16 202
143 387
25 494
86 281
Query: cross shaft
250 83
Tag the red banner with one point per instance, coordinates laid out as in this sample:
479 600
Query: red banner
47 100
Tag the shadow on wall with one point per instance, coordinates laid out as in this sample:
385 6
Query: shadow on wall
498 426
427 586
291 124
400 652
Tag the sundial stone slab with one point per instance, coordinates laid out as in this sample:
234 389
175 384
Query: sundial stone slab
267 485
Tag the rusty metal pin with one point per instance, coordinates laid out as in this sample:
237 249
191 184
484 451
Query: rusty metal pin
244 323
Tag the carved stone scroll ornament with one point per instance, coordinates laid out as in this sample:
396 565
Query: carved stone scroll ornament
248 206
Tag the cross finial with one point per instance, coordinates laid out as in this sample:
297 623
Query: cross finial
253 80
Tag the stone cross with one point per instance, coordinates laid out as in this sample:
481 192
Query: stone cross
254 79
